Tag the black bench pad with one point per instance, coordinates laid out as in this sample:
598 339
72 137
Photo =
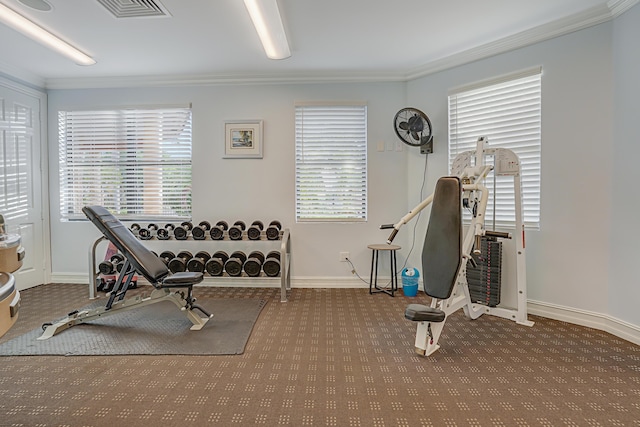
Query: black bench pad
182 279
423 313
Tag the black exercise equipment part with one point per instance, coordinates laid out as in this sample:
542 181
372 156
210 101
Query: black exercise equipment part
235 231
234 264
442 250
271 266
166 256
179 263
215 265
253 264
198 261
145 234
135 228
177 288
109 267
217 231
181 232
163 234
199 232
273 230
484 274
255 230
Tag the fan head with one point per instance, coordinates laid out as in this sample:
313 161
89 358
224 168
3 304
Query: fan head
413 127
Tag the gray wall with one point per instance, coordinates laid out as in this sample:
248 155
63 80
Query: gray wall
623 284
580 261
250 189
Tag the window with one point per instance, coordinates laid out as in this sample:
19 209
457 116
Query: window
134 162
16 138
331 163
508 112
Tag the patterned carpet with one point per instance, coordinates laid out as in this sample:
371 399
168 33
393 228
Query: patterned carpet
331 357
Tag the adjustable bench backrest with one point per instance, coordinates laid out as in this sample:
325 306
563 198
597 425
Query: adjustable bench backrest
141 258
442 250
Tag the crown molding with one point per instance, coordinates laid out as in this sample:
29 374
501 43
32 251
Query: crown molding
26 77
591 17
226 79
618 7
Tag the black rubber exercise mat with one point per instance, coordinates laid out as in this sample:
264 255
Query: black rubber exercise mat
159 328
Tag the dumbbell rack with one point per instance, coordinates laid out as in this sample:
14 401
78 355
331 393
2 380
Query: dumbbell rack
284 249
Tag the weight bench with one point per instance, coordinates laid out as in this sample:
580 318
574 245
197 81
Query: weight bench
177 287
441 261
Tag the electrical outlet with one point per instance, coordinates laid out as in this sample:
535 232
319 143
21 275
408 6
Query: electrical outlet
344 256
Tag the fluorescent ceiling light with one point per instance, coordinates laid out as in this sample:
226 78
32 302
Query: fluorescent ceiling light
39 34
266 19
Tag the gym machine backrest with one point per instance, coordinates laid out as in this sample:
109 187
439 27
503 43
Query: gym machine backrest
141 258
442 250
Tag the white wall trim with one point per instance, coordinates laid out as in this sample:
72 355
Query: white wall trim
258 282
590 319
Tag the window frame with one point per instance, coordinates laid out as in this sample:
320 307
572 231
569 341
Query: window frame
346 126
519 94
127 145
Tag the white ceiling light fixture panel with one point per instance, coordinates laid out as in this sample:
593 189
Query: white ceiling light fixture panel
32 30
268 23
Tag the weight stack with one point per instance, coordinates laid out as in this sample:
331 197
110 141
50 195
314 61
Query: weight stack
484 280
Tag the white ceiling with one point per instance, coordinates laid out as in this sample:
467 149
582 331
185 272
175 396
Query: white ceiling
214 40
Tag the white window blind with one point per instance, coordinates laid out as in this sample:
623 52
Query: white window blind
508 112
331 163
16 138
134 162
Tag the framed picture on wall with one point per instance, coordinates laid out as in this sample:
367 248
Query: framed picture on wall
243 139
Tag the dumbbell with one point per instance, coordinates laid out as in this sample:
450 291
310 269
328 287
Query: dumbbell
215 264
135 228
199 232
253 232
109 267
271 266
273 230
119 265
166 256
235 231
198 261
179 263
147 233
253 264
181 232
234 264
217 231
165 233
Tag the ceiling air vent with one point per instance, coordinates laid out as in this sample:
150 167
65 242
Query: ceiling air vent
135 8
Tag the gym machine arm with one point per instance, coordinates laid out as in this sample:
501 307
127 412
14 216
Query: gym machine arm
471 178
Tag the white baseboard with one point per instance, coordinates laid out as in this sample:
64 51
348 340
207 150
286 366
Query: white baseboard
590 319
602 322
297 282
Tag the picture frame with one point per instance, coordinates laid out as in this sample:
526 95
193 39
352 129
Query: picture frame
243 139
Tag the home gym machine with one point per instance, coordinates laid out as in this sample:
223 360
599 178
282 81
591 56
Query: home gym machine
446 251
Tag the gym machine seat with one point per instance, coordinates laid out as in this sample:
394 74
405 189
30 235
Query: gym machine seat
138 260
442 250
